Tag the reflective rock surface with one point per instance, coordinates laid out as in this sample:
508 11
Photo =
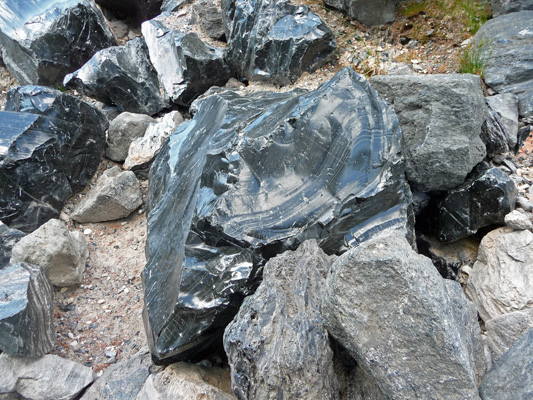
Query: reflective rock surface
493 132
51 144
187 66
8 239
26 311
43 40
274 41
250 177
123 76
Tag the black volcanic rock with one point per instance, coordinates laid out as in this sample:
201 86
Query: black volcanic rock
123 76
41 40
8 238
138 10
250 177
274 41
51 144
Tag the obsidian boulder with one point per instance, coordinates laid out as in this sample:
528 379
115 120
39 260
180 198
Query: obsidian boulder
136 10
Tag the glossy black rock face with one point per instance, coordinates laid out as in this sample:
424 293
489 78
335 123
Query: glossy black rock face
8 238
50 146
123 76
44 40
139 10
250 177
274 41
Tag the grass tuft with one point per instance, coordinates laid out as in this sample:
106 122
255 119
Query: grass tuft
473 59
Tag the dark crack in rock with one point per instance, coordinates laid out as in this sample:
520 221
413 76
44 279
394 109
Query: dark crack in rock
250 177
26 311
277 345
122 76
187 66
51 145
274 41
41 41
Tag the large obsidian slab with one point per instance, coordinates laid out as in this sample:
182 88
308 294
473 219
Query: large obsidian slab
123 76
43 40
138 10
274 41
51 144
250 177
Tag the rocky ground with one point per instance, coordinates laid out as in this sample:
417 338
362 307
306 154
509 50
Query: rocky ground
100 321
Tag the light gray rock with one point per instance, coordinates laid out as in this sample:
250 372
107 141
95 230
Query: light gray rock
187 382
503 331
121 381
116 195
26 312
369 12
524 204
277 344
143 150
123 130
511 378
501 7
518 220
47 378
393 312
506 43
441 118
210 18
61 254
502 278
401 68
506 105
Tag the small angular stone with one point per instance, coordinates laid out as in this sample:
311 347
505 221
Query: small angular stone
210 18
42 41
60 253
26 312
502 280
48 377
504 330
122 76
186 66
518 220
51 145
116 195
123 130
277 345
275 41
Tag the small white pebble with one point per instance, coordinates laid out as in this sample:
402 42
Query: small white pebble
126 290
101 301
87 231
88 322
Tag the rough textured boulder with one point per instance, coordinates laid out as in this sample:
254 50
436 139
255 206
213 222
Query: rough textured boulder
210 18
139 10
505 105
518 220
116 195
407 329
8 238
507 45
51 145
186 66
504 330
277 344
60 253
187 381
486 197
511 378
274 41
143 150
369 12
122 76
501 7
42 40
441 118
502 278
121 381
48 377
231 189
174 5
123 130
26 312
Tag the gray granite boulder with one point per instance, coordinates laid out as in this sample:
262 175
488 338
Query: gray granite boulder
402 322
116 195
61 254
502 278
123 130
504 330
507 46
441 118
26 312
368 12
277 345
209 16
41 41
511 378
501 7
45 378
518 220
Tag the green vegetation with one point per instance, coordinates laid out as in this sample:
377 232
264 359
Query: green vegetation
473 59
